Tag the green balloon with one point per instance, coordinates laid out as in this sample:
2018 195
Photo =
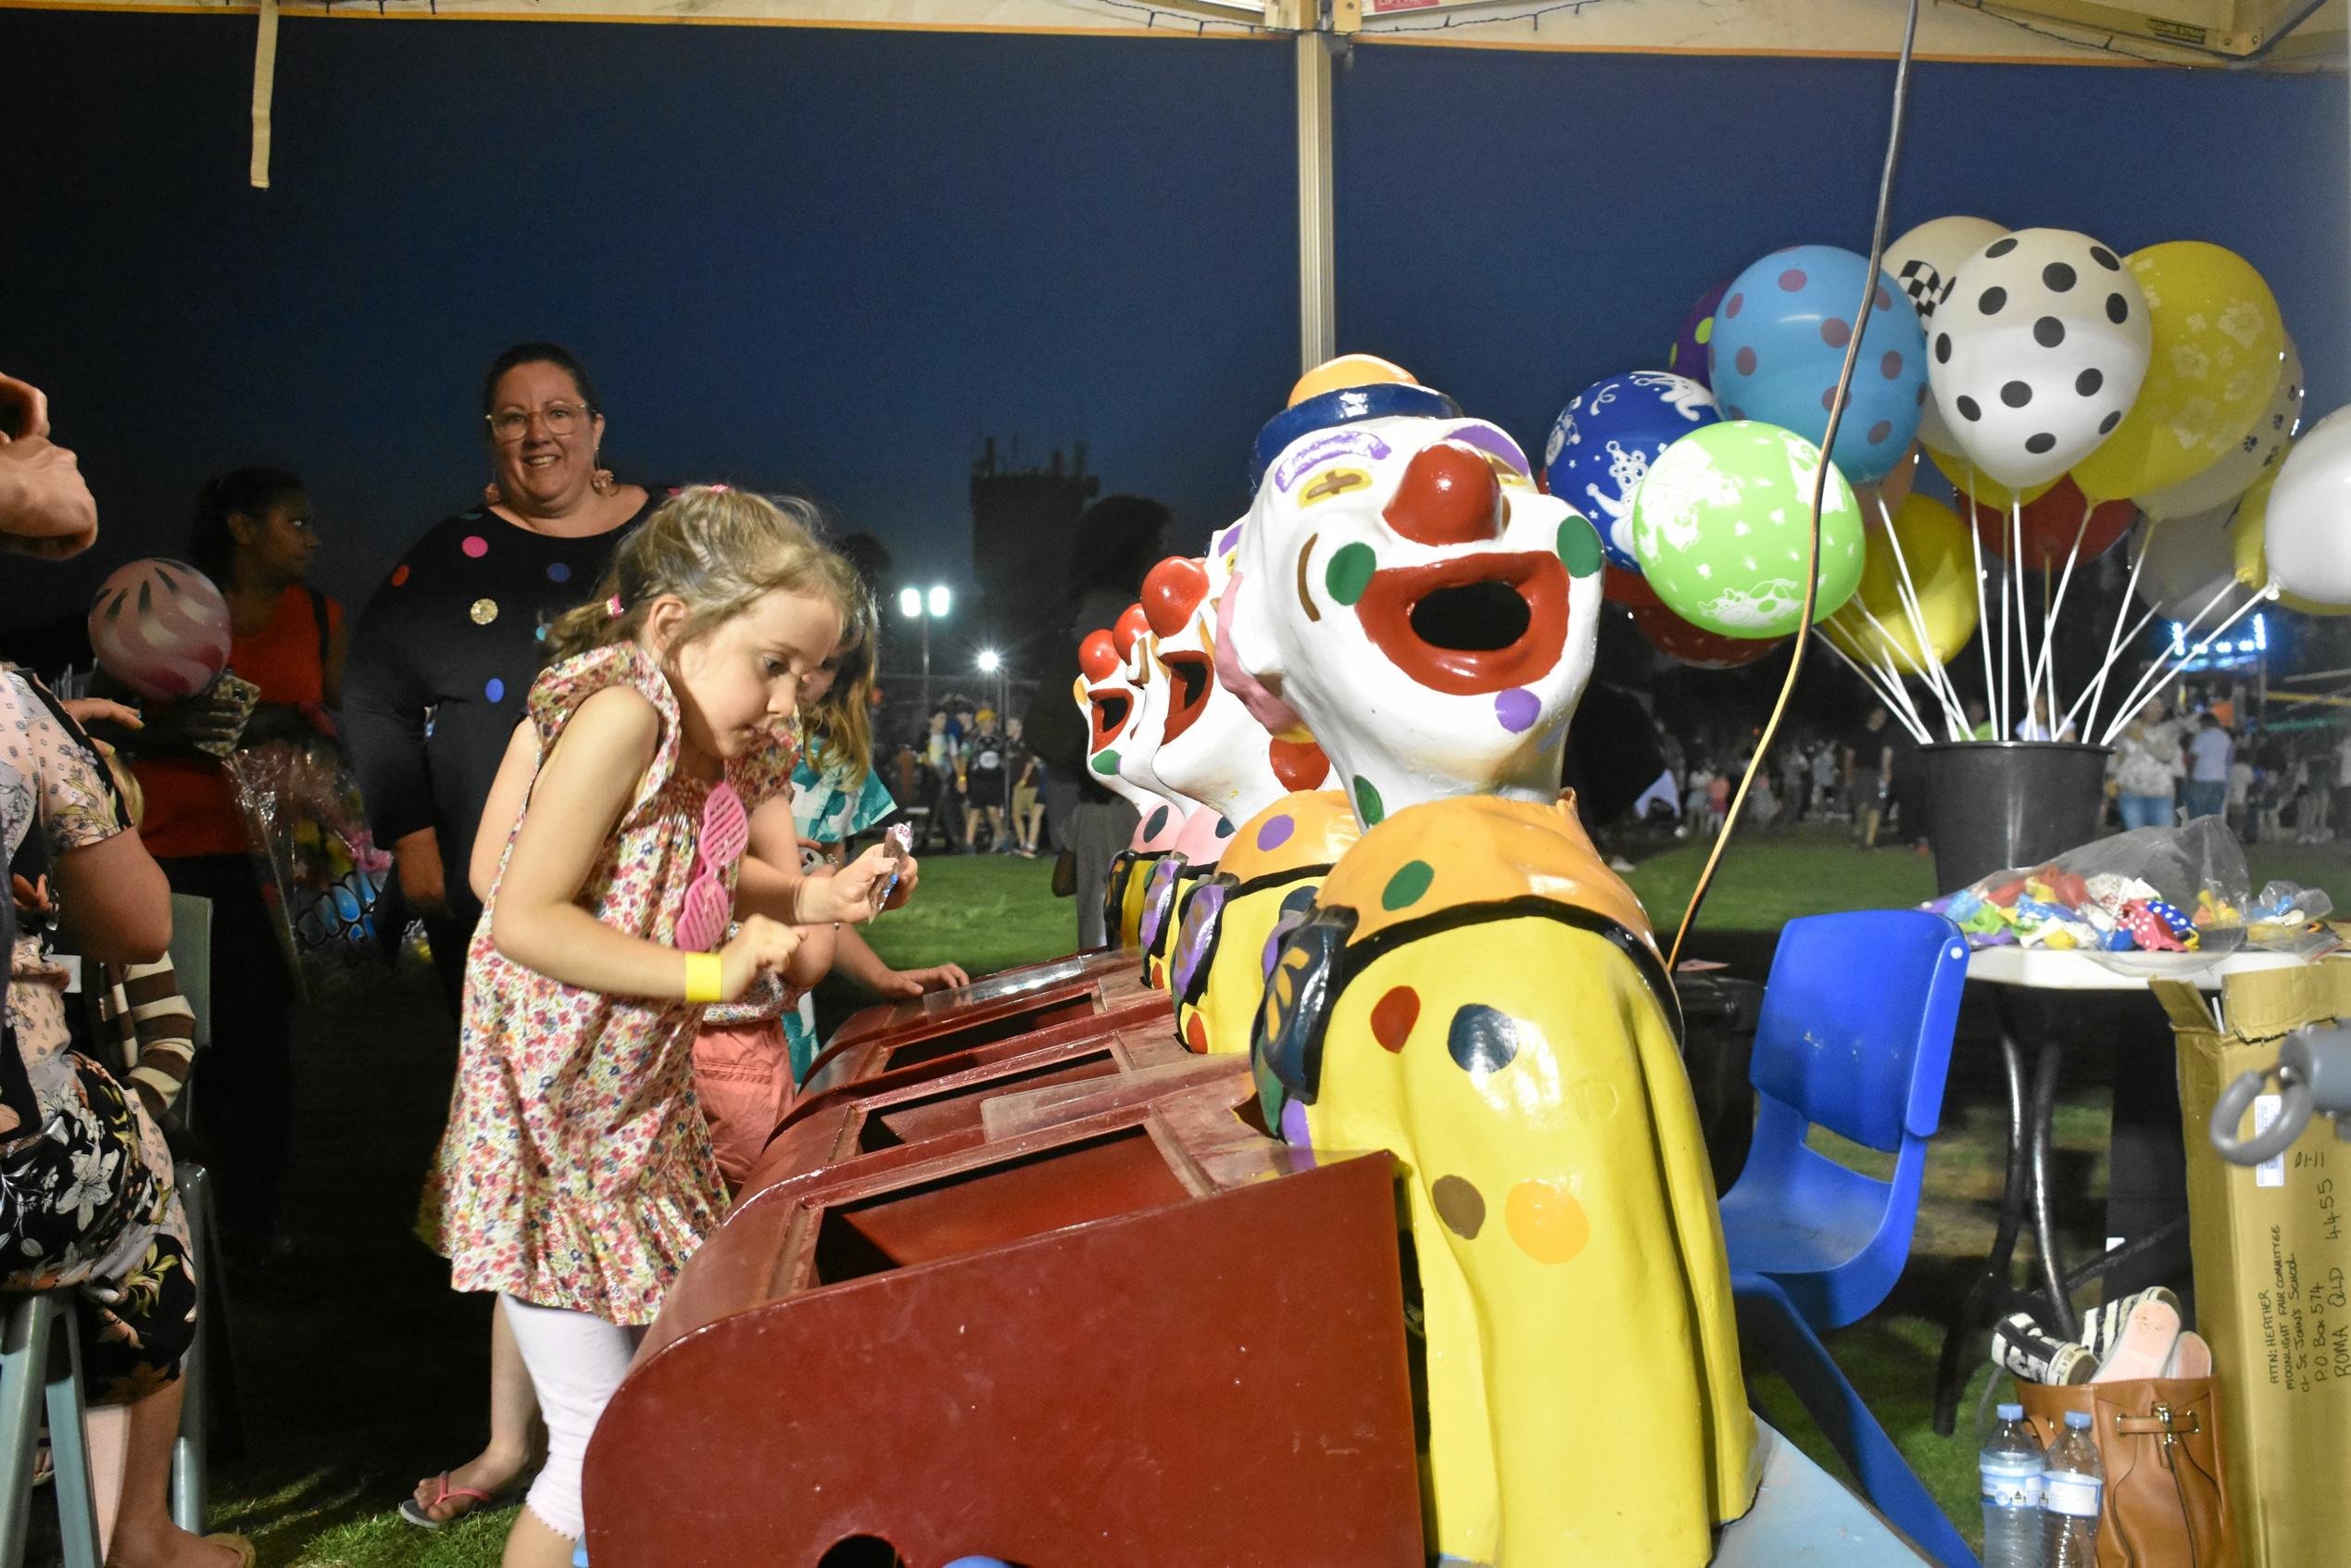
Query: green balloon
1719 527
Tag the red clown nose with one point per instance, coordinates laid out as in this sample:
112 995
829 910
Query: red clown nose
1096 656
1129 626
1448 496
1171 592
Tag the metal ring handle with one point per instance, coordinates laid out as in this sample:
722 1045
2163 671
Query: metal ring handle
2227 1112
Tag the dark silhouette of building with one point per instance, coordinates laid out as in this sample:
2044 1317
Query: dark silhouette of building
1023 520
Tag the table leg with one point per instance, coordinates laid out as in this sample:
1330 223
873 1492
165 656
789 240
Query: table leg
2042 1156
1991 1285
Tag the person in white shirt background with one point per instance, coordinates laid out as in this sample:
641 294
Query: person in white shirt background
2210 751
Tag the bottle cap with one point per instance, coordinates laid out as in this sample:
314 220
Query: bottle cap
2012 1413
2078 1419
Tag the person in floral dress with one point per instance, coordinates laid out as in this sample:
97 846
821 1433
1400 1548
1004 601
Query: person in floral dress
575 1177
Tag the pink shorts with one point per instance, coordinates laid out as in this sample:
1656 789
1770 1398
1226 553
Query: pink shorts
743 1076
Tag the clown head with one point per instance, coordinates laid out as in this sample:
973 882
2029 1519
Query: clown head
1211 749
1114 712
1402 590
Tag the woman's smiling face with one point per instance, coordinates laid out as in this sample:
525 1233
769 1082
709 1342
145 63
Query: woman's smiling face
543 438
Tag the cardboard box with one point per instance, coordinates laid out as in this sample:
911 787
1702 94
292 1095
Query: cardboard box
2272 1247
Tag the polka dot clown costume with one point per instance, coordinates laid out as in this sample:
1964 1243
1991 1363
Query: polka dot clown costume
1273 868
1474 992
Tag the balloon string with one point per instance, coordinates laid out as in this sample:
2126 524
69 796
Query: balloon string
1869 285
1983 610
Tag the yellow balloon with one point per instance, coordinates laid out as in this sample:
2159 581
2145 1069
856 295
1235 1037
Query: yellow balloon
1971 480
2252 566
1935 547
2220 348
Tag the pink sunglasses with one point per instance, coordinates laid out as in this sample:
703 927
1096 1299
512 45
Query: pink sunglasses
726 833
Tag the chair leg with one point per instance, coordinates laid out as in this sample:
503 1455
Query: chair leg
69 1451
189 1472
24 1365
1768 1322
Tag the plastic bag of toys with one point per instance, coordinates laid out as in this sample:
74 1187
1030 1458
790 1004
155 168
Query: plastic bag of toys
2149 891
321 872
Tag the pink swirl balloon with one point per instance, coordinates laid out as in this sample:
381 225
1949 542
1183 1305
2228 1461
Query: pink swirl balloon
161 628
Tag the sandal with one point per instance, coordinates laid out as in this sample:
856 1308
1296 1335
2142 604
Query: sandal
2103 1326
2021 1346
238 1543
419 1513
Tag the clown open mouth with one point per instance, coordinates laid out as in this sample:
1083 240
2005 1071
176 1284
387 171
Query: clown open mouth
1190 676
1471 624
1110 712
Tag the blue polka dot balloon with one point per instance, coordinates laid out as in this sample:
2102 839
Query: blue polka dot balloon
1602 442
1779 343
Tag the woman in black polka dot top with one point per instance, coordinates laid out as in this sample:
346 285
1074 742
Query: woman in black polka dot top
447 648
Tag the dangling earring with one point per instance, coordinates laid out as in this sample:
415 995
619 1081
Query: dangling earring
491 496
601 481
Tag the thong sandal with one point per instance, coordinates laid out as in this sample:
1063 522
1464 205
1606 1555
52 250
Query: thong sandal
419 1513
238 1543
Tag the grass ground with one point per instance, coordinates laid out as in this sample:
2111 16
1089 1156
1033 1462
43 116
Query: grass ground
361 1372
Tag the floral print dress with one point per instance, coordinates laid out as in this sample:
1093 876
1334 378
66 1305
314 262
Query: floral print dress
575 1171
86 1172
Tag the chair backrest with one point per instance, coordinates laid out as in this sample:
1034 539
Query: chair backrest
191 959
1858 1021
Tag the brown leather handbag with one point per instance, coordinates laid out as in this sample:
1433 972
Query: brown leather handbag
2167 1496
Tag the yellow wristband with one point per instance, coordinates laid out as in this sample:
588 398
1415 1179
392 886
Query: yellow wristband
705 977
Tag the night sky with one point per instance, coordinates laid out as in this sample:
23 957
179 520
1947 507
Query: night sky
833 262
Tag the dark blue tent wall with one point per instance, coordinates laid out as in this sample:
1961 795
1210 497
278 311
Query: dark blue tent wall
833 259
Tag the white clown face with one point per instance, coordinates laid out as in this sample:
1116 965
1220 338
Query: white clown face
1112 713
1403 589
1211 749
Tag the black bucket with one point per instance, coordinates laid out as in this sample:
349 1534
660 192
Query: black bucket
1992 804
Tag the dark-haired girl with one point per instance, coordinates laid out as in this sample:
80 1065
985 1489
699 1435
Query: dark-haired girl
254 536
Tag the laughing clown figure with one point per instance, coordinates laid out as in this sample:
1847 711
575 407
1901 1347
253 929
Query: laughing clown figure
1475 992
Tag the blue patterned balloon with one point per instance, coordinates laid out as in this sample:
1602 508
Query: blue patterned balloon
1602 442
1780 342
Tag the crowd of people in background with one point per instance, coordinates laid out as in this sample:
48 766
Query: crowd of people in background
970 781
2194 752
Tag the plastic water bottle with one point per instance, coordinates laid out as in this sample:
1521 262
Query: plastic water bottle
2071 1493
2010 1467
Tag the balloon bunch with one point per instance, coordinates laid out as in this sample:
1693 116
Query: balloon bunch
2068 391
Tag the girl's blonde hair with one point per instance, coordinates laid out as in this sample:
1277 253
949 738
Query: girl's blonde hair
718 550
840 726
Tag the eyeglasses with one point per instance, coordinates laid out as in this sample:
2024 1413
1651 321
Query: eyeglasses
726 833
511 425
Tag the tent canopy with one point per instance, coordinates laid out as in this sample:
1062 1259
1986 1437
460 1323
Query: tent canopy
2277 33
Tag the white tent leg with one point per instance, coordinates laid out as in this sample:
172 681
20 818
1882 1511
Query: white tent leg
1317 247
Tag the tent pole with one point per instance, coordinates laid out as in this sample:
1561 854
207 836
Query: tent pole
1317 248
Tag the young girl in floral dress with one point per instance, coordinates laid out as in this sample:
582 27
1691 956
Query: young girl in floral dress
751 1054
575 1177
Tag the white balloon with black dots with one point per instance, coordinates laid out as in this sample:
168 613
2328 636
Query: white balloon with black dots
2037 352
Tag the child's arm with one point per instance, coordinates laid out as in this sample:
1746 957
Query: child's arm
856 959
584 787
854 893
508 793
775 843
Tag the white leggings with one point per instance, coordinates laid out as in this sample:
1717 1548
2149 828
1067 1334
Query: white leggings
576 1364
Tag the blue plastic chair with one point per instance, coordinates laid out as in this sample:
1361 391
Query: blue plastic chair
1856 1036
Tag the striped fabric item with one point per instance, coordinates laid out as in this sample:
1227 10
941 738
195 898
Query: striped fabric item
152 1029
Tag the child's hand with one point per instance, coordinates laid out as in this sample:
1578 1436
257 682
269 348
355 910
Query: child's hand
917 981
862 889
32 897
761 945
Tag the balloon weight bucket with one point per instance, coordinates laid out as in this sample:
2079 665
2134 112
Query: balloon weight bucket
1995 804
